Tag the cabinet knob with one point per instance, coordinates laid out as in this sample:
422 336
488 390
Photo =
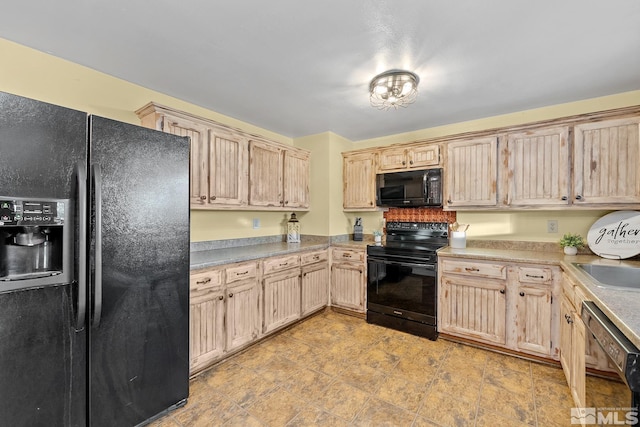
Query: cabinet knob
203 197
213 197
449 201
568 318
286 202
502 291
220 297
564 198
578 197
231 295
521 294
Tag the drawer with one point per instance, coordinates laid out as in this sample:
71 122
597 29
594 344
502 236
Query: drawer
205 279
535 275
313 257
273 265
241 271
475 269
339 254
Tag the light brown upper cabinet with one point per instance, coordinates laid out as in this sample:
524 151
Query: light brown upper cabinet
471 171
359 181
278 177
606 156
228 169
222 162
414 157
537 167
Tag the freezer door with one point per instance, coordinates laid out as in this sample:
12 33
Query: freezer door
139 299
42 357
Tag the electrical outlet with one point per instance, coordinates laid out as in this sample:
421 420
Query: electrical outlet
256 222
552 226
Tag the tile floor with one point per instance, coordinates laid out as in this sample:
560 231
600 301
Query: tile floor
337 370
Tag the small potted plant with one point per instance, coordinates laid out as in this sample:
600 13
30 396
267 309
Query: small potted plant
571 243
377 236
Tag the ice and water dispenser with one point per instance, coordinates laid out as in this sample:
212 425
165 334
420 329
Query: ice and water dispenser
36 242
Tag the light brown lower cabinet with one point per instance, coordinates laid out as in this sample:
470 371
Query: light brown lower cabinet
348 279
234 305
578 348
281 298
506 305
315 282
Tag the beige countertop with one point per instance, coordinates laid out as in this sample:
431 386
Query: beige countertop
622 307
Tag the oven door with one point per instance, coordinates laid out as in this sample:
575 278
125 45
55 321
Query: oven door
402 287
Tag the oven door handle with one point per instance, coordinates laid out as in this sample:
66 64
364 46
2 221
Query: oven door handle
403 263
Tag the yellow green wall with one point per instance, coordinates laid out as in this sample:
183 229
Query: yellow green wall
37 75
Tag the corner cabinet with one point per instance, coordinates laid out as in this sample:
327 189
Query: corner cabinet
606 156
231 169
359 181
278 177
471 173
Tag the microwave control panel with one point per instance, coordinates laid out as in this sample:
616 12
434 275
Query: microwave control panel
26 212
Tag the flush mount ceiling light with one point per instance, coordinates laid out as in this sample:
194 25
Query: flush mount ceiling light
393 88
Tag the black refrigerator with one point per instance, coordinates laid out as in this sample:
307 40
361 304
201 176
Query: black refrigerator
94 268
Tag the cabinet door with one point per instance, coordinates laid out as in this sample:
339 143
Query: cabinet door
538 167
296 179
359 182
348 286
199 160
471 173
578 371
392 159
566 330
228 170
423 156
533 314
606 156
206 327
243 313
473 308
315 287
281 299
265 174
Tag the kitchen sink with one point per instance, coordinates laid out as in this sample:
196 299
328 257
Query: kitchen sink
612 276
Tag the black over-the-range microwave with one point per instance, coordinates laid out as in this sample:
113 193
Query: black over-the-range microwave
409 189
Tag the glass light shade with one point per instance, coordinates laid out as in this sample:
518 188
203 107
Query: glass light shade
393 88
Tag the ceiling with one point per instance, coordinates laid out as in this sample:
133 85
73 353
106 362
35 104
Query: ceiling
300 67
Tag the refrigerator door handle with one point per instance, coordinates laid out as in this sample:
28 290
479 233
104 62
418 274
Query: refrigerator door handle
82 247
96 177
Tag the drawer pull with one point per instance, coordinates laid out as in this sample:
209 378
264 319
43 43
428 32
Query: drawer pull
202 282
533 276
243 273
346 255
316 257
472 269
284 265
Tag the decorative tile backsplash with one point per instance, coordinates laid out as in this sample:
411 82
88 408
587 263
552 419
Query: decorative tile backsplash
420 215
